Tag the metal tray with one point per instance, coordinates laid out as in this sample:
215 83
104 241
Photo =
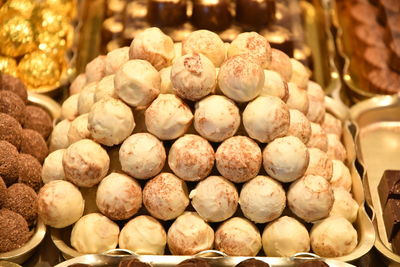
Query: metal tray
377 123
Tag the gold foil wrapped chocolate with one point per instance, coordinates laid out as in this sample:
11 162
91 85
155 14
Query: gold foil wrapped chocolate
8 65
51 43
49 20
23 7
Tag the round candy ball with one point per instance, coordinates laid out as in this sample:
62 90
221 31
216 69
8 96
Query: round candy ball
299 126
274 85
341 176
10 130
86 98
52 167
319 164
344 205
78 129
8 162
318 138
15 85
300 74
14 231
59 136
13 105
29 171
39 120
69 108
33 143
298 98
280 62
316 102
105 88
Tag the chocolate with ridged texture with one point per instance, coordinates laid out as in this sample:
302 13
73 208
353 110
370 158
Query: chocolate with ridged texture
389 186
252 263
165 13
29 171
394 58
15 85
8 162
39 120
313 263
12 104
3 189
383 81
363 13
133 263
21 199
391 217
14 231
375 58
393 25
194 263
10 130
211 15
33 143
368 35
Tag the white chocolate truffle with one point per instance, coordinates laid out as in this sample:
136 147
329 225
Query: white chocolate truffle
168 117
193 76
59 136
333 237
154 46
178 50
331 125
166 84
253 45
190 234
79 129
191 157
85 163
310 198
274 85
119 196
86 98
207 43
95 69
143 235
78 84
319 164
137 83
105 88
69 108
52 167
238 237
165 196
115 59
266 118
300 74
110 121
280 62
299 126
318 138
316 102
344 205
285 237
142 155
262 199
336 150
60 204
241 78
215 199
238 159
94 233
216 118
286 159
298 98
341 177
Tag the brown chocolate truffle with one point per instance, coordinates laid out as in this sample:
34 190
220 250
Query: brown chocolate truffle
33 143
384 81
39 120
375 58
194 263
363 13
12 104
14 231
313 263
8 162
15 85
29 171
133 263
21 199
3 189
10 130
252 263
394 60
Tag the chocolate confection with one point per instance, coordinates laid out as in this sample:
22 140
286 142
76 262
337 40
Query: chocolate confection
194 263
133 263
393 25
389 186
391 7
375 58
313 263
166 13
15 85
394 49
383 81
362 13
14 231
396 243
210 15
252 263
368 35
391 217
21 199
12 104
80 265
8 162
10 130
29 171
3 189
33 143
39 120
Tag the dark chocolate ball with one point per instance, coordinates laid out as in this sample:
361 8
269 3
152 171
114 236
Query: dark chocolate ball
3 189
15 85
10 130
21 199
12 104
8 162
30 171
194 263
14 231
313 263
252 263
39 120
133 263
33 143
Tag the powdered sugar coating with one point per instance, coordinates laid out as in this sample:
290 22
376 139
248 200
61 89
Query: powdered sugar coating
115 59
336 150
280 63
316 102
318 138
299 126
274 85
95 69
319 164
298 98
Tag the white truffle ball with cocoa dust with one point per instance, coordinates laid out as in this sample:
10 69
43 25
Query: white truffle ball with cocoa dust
190 234
52 167
168 117
191 157
319 164
110 121
86 98
274 85
165 196
193 76
341 176
105 88
79 129
344 205
333 237
96 69
336 150
143 235
316 102
262 199
94 233
166 84
137 83
154 46
216 118
310 198
115 59
300 74
85 163
119 196
59 136
238 237
318 138
78 84
332 125
285 237
60 204
241 78
266 118
142 155
298 98
69 108
280 62
253 45
299 126
215 199
286 159
238 159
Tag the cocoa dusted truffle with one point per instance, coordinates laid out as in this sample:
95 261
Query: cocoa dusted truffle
15 85
8 163
33 143
29 171
14 231
12 104
3 189
133 263
10 130
39 120
21 199
252 263
194 263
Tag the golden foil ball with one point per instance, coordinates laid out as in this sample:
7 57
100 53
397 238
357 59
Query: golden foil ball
45 19
8 65
51 43
23 7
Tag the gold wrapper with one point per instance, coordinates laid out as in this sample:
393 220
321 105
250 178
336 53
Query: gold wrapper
39 69
63 7
8 66
45 19
23 7
51 43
